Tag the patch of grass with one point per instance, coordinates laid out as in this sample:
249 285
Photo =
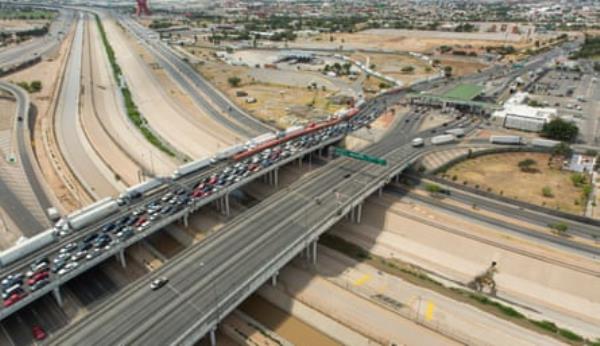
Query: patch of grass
132 111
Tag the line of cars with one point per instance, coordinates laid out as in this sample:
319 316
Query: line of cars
174 199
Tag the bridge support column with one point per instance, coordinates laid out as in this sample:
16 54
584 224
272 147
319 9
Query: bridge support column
300 162
314 251
57 296
213 337
358 213
307 252
274 279
185 219
122 258
276 177
380 192
309 161
397 179
226 198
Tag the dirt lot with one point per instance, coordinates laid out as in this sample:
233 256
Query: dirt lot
392 65
280 105
418 41
461 68
501 174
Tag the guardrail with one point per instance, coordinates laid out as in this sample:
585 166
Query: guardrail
57 281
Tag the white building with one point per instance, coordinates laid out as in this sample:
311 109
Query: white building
517 115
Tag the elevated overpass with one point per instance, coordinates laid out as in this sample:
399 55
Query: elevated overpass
209 279
220 198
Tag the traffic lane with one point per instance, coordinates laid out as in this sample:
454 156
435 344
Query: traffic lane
22 134
565 243
112 311
257 226
117 315
18 213
251 258
523 214
221 101
71 140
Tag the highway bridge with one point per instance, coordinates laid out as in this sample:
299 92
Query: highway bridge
211 278
220 198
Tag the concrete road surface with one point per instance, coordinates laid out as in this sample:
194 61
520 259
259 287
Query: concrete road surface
86 166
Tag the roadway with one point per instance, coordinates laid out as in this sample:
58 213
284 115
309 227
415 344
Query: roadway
79 155
224 265
216 105
584 230
17 209
38 47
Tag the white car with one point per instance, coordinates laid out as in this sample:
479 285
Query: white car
70 266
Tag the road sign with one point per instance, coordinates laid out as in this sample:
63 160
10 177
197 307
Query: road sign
360 156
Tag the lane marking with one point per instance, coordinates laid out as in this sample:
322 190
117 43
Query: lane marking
429 311
362 280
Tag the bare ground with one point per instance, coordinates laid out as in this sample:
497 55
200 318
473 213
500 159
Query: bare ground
501 174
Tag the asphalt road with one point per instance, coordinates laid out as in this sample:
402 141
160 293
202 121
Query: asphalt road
69 132
213 269
25 220
38 46
511 212
537 218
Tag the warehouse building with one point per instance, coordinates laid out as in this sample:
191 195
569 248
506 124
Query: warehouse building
519 116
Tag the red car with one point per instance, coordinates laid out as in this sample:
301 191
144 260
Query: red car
14 298
38 333
197 193
37 277
140 221
213 180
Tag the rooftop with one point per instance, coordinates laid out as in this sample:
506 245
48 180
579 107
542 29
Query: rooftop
464 92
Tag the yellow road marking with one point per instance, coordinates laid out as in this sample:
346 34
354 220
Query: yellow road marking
361 281
429 311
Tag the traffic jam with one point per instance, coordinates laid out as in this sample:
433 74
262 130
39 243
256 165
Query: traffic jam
243 162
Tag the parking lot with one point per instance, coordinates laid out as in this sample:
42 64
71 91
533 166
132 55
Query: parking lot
575 96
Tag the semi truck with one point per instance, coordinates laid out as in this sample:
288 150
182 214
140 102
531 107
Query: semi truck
456 132
191 167
86 216
544 143
140 190
26 247
443 139
516 140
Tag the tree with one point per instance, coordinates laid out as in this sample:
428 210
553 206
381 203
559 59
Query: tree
560 130
234 81
562 149
408 69
560 227
547 192
448 71
527 165
36 86
433 188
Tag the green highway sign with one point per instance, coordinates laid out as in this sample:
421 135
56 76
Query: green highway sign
360 156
